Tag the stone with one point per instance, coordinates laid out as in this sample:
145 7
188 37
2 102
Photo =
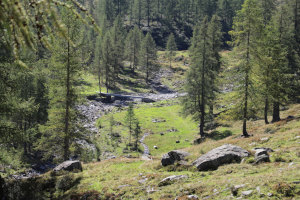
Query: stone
142 181
195 197
69 166
171 179
260 152
225 154
262 158
177 141
297 137
247 193
172 156
239 186
162 134
270 194
265 139
155 147
269 150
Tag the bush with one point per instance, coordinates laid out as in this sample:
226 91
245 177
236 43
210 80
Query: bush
284 189
66 182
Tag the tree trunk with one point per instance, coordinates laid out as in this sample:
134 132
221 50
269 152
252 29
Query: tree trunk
66 131
266 110
202 108
276 112
99 79
245 134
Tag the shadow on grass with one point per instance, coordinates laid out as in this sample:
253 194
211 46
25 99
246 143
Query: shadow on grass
217 135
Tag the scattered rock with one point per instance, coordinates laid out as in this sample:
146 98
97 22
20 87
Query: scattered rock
265 139
122 186
172 130
269 150
177 141
172 156
262 158
247 193
158 120
162 134
69 166
270 194
142 181
147 100
155 147
290 117
297 137
222 155
260 152
171 179
239 186
193 197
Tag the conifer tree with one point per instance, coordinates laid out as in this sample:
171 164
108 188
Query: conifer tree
61 129
133 45
117 46
200 77
171 48
130 120
137 133
148 56
246 32
107 60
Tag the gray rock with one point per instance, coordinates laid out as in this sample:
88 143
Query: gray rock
172 156
247 193
269 150
260 152
262 158
222 155
193 197
270 194
69 166
171 179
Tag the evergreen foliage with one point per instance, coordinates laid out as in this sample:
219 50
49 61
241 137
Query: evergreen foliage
148 56
171 48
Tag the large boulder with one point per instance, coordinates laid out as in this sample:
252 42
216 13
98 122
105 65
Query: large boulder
222 155
173 156
69 166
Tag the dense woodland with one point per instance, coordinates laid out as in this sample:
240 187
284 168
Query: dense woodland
46 47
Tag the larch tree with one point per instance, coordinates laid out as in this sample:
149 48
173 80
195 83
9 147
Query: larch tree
130 120
247 27
117 42
60 131
133 45
214 31
148 56
200 77
171 48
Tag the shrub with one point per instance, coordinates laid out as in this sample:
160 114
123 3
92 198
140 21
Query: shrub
284 189
66 182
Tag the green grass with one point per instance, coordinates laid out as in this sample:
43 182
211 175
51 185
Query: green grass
106 177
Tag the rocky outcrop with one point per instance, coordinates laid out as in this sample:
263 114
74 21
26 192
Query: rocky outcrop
69 166
171 179
222 155
173 156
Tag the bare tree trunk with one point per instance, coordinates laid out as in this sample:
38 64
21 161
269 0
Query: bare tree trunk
66 131
276 112
266 109
245 134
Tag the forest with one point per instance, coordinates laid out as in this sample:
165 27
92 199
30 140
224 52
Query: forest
146 94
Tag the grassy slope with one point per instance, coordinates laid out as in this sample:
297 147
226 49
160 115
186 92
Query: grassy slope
106 177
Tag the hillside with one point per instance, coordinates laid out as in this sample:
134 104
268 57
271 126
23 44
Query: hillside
124 174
